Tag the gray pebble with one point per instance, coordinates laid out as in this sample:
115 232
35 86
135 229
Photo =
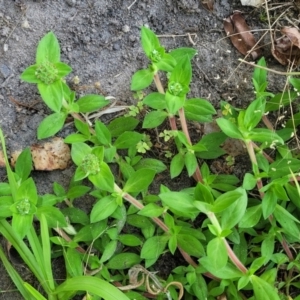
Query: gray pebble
116 46
71 2
5 70
125 28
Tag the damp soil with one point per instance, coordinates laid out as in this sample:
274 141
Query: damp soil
100 40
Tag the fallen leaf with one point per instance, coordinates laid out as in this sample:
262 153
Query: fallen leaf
239 33
287 48
49 156
208 4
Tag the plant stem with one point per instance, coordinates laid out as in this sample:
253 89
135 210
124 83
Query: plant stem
252 156
157 221
213 219
197 175
259 184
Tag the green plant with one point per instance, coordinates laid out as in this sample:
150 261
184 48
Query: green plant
240 233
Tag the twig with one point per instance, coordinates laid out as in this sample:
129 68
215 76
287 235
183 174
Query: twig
129 7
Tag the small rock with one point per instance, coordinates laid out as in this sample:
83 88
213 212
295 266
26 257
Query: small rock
71 2
5 70
125 28
116 46
5 47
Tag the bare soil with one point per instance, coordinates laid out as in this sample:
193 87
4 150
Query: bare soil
100 40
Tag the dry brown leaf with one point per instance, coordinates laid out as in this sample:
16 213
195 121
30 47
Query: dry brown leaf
208 4
239 33
49 156
287 48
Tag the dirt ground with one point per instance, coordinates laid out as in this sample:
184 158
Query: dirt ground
100 40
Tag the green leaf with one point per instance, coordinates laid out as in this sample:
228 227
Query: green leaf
180 53
281 99
174 103
211 142
260 75
109 251
263 290
79 151
203 193
254 113
217 253
92 285
121 125
154 247
155 100
265 135
128 139
227 199
190 162
166 63
229 128
90 103
190 245
149 41
197 109
227 272
5 189
123 261
76 215
73 262
82 127
249 182
77 191
52 95
130 240
143 223
51 125
141 79
177 164
28 75
5 203
102 133
282 167
24 164
154 119
21 224
48 49
103 209
53 215
152 164
182 73
267 248
139 181
182 204
103 180
151 210
269 203
251 217
63 69
287 221
235 212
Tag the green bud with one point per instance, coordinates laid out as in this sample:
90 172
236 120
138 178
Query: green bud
90 164
47 72
175 88
23 207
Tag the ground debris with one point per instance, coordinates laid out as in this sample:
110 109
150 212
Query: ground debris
49 156
287 48
240 35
